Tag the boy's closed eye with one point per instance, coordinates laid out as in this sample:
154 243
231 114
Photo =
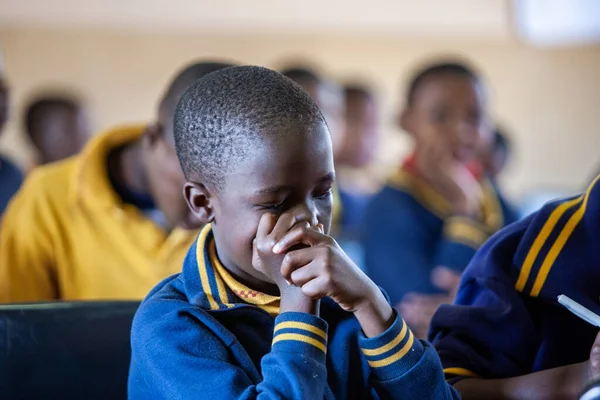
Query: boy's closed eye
283 204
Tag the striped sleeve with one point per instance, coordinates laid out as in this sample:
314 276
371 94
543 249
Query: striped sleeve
299 332
392 353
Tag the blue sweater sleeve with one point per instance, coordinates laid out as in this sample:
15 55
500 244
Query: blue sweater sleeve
175 356
401 250
403 367
488 332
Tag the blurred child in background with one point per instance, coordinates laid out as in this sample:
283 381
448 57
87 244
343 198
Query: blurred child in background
423 228
57 126
356 183
495 156
10 176
108 223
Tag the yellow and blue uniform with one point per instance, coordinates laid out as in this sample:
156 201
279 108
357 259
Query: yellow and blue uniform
409 230
507 321
68 235
202 333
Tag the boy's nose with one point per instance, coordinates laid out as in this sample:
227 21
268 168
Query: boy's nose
306 213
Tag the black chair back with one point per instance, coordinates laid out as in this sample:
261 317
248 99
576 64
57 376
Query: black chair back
65 350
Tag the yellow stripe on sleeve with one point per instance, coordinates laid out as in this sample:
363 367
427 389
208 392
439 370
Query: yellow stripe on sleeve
560 242
396 356
540 240
300 338
399 338
460 372
301 325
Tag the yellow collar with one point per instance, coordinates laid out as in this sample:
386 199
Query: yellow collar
425 194
224 280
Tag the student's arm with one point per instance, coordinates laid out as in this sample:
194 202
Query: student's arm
176 356
564 382
27 231
557 383
402 367
489 332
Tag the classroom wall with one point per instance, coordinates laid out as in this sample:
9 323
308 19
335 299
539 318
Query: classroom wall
547 98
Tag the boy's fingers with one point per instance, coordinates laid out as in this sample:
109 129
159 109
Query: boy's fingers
304 274
296 259
299 235
265 225
282 226
316 288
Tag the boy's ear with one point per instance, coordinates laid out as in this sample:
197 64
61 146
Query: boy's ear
198 198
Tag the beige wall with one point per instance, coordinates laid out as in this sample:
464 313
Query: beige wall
548 98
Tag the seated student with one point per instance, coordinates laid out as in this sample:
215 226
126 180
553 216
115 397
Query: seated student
356 182
506 332
10 176
494 157
57 127
436 210
108 223
268 305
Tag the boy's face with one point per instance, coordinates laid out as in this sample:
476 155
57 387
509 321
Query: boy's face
288 173
64 134
448 108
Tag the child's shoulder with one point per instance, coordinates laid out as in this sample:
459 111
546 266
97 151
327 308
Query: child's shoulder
166 315
406 203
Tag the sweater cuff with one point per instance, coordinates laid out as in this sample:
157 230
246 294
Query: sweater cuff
393 352
466 231
296 332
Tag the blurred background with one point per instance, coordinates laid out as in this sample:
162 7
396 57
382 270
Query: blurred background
540 60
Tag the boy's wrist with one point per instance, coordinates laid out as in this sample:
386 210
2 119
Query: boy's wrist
294 300
375 315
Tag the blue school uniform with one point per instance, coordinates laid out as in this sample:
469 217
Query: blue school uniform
507 321
408 231
203 334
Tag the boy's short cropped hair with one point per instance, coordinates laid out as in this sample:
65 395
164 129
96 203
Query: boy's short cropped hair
223 114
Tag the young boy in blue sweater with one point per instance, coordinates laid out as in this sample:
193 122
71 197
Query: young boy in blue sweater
506 336
268 305
421 230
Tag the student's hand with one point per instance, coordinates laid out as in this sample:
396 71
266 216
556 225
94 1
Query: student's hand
271 229
593 367
566 382
418 309
450 178
323 270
